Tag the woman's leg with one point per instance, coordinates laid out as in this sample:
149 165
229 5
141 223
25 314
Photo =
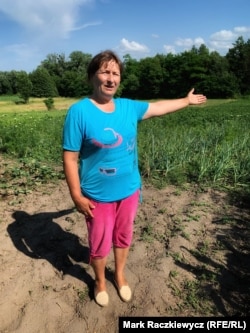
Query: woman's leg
100 294
98 266
122 238
100 230
120 255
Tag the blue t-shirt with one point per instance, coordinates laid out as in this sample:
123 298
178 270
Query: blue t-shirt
107 142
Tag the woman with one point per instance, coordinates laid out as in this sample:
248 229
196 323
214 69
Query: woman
101 165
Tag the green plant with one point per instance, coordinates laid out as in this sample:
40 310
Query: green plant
207 146
82 294
49 102
147 233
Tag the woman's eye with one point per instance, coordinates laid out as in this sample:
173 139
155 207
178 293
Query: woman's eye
109 73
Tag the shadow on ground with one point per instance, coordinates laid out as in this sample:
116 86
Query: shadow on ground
39 237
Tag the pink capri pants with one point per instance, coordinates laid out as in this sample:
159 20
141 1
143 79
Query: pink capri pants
112 224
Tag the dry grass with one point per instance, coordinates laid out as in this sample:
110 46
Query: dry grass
60 103
35 104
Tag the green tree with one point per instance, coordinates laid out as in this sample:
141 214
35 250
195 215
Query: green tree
56 65
12 78
239 62
150 78
193 68
43 84
130 79
172 85
8 83
5 84
78 61
24 86
74 82
219 83
69 75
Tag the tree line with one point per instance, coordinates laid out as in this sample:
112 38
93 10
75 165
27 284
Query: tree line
161 76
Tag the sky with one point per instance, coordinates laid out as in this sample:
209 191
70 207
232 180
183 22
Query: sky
30 30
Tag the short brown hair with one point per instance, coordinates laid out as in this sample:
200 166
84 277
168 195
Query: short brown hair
99 59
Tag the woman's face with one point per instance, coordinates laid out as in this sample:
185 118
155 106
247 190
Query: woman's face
107 79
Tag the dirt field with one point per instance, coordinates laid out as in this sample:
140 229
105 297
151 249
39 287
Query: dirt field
190 257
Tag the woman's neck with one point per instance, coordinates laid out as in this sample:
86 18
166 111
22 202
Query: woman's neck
104 104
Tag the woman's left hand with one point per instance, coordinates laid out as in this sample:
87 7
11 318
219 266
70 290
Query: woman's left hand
196 98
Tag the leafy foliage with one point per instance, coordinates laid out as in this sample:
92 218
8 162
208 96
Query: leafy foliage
161 76
24 86
206 145
49 102
43 84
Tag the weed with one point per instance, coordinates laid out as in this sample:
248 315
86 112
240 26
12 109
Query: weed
147 233
82 294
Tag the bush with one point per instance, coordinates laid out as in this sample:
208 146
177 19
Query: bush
49 102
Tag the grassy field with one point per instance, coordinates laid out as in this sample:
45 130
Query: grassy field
8 105
208 144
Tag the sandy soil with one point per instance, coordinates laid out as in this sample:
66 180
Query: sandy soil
190 257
